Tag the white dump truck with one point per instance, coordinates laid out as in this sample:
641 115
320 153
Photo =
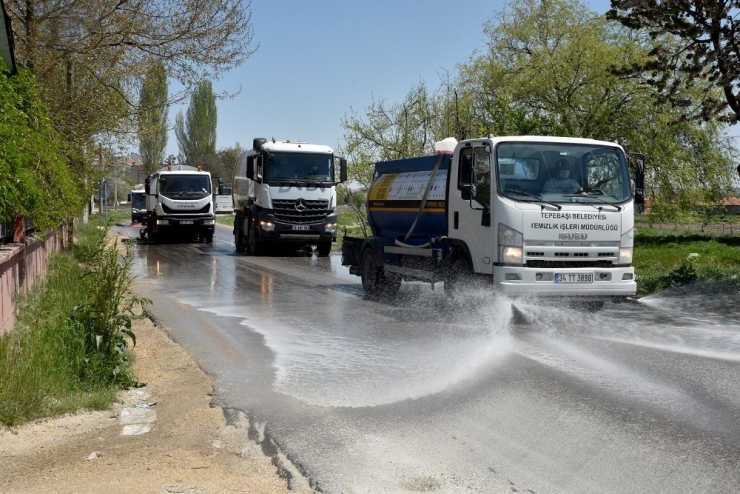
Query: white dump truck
285 195
179 202
500 211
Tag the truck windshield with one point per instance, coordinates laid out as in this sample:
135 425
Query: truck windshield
302 167
529 171
137 200
185 186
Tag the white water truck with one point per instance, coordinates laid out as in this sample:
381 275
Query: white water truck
179 202
285 196
485 212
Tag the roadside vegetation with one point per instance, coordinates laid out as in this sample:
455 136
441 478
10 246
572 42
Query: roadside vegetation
70 346
664 259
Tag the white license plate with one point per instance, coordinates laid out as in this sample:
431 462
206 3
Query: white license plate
574 277
186 222
300 227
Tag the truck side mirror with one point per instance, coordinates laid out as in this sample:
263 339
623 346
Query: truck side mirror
250 167
639 161
343 170
258 169
148 186
220 187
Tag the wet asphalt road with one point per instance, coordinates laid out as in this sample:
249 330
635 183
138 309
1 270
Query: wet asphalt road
425 394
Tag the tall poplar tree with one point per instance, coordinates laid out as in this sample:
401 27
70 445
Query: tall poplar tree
153 112
196 130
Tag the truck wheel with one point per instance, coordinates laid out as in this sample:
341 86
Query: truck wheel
238 235
209 238
254 244
459 274
374 281
323 249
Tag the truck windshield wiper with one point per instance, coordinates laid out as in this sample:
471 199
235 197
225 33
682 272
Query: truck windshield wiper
596 198
286 180
538 198
320 183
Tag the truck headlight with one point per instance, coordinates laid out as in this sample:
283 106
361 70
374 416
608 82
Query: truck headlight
267 226
163 222
209 222
626 244
510 244
331 227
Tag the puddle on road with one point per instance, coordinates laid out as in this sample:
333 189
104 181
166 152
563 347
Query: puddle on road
331 357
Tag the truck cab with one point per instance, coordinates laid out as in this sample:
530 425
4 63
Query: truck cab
284 194
536 238
179 202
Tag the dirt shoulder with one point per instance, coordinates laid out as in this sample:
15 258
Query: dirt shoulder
190 447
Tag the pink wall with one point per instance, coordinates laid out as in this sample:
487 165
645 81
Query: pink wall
20 265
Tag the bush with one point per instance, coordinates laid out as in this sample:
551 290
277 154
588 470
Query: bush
69 348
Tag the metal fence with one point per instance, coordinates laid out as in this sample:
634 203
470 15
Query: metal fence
6 230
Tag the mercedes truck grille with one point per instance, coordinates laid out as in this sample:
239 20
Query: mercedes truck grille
300 211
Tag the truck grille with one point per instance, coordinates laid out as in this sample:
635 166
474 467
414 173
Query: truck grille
301 211
568 264
168 210
571 254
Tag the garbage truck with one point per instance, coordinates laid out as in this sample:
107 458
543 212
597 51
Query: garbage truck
179 202
494 213
284 195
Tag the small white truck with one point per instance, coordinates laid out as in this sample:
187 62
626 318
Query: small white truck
496 210
285 195
179 202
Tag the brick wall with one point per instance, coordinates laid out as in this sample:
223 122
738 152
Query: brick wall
20 266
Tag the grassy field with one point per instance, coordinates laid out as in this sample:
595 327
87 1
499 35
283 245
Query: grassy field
664 258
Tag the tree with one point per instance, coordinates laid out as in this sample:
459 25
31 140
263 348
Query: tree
153 110
226 160
553 67
390 131
546 71
35 180
196 131
696 50
89 57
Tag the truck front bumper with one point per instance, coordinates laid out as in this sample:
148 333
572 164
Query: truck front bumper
270 230
515 281
185 224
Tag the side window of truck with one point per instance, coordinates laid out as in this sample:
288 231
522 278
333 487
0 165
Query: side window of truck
465 169
482 176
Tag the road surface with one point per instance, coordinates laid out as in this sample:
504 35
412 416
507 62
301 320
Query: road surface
422 393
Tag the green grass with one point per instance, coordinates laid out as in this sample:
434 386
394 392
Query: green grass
670 258
69 347
225 219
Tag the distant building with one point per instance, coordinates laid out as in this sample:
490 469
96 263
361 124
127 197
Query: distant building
135 165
